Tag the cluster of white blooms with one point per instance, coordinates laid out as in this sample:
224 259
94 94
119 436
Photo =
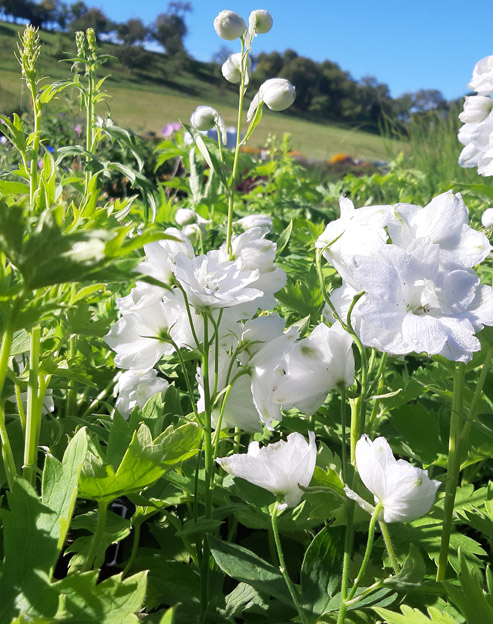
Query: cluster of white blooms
477 132
421 293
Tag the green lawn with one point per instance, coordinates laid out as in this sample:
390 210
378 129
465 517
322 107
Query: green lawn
148 100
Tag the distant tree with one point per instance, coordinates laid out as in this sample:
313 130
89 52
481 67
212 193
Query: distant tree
92 18
170 28
17 9
132 31
221 55
77 10
134 57
426 100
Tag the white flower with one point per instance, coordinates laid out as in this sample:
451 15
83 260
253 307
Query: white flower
136 388
186 216
277 93
231 68
487 218
357 231
314 366
259 22
413 303
444 221
482 76
405 491
210 281
160 256
476 108
255 220
279 468
229 25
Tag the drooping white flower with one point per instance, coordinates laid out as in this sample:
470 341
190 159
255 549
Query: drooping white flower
136 388
405 491
186 216
314 366
280 467
487 218
259 22
476 108
444 221
231 68
482 76
276 93
211 281
229 25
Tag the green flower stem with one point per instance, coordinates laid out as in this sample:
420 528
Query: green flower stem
234 173
346 562
282 565
344 433
208 423
20 407
478 391
7 455
33 409
71 403
388 545
453 467
369 546
97 537
135 548
217 433
33 173
187 378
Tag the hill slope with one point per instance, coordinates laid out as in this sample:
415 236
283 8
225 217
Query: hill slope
163 92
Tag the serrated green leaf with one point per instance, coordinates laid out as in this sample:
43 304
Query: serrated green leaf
412 572
414 616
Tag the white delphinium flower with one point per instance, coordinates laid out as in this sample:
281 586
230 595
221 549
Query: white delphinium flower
357 231
231 68
160 256
255 220
211 281
259 22
268 367
256 333
142 336
277 93
229 25
476 108
205 118
136 388
487 218
256 253
314 366
415 303
444 221
406 492
280 467
482 76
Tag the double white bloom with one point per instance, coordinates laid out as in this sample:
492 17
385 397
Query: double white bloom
406 492
279 468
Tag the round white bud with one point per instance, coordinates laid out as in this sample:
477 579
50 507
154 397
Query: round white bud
231 68
229 25
204 117
185 216
260 22
277 93
487 218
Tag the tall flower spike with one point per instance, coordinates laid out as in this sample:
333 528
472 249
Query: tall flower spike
406 492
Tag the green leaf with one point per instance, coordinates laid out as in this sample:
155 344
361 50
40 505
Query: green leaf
411 574
471 599
321 570
414 616
484 189
143 463
284 237
8 187
247 567
114 601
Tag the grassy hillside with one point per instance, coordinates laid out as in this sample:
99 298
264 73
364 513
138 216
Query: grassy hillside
147 100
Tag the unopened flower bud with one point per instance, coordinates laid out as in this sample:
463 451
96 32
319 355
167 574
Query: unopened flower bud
476 108
277 93
192 232
229 25
231 69
185 216
260 22
205 118
487 218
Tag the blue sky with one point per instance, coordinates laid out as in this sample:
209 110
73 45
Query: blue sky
409 45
